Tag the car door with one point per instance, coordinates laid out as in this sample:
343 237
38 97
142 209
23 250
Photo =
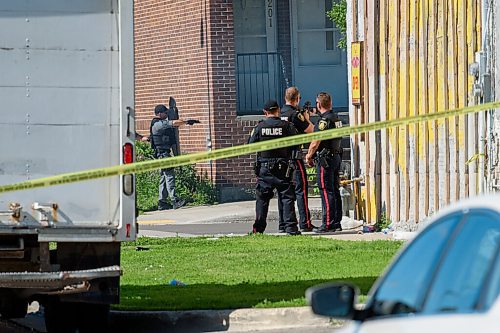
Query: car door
445 280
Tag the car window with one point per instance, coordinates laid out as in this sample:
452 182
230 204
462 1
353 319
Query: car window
464 271
402 290
493 290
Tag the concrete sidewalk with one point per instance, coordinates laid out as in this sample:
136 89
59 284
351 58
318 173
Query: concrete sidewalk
198 321
239 320
226 212
235 219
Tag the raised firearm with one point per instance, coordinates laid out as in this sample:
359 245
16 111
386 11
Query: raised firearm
308 107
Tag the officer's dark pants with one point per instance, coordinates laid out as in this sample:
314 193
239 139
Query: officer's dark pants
266 183
301 190
336 191
328 184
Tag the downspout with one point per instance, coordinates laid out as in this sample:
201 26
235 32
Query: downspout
204 39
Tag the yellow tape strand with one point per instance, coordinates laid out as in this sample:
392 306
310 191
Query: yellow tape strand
171 162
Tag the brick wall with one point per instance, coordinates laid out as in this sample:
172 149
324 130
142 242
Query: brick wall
173 58
169 61
234 175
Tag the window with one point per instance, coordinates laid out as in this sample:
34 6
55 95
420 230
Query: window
317 36
492 292
250 26
403 288
464 271
258 76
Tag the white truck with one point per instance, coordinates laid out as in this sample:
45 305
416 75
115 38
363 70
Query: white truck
66 105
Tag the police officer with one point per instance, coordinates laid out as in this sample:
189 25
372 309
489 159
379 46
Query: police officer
328 156
274 170
162 139
300 119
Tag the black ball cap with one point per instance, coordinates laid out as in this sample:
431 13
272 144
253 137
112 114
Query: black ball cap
161 109
271 105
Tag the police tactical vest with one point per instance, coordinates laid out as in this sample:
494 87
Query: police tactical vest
163 140
274 129
292 114
295 116
287 111
332 121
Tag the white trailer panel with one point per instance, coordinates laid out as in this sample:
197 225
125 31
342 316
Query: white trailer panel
66 86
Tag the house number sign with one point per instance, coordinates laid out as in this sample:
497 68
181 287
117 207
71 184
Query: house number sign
270 12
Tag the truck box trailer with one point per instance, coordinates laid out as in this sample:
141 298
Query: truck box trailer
67 104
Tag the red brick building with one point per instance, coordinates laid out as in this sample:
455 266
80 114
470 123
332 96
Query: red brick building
221 60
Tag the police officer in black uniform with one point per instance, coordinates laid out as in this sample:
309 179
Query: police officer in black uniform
327 154
300 119
274 170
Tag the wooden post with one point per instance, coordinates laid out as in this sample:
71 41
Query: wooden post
433 97
355 122
404 100
453 69
462 89
374 77
414 33
394 18
424 103
444 87
366 109
384 100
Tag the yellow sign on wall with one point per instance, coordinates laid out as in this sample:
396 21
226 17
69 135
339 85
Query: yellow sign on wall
356 72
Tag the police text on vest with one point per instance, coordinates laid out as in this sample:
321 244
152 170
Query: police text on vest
272 131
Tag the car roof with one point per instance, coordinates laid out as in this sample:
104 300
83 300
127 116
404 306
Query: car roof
488 201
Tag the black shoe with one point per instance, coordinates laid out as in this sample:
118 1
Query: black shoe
322 230
179 203
255 232
281 231
294 233
337 227
164 205
308 228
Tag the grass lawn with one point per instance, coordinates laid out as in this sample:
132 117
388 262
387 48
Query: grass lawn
241 272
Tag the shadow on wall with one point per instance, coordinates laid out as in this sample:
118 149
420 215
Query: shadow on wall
236 192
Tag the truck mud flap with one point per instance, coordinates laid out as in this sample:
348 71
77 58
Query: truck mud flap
61 281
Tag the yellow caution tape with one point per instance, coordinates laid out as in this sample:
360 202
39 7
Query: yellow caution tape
171 162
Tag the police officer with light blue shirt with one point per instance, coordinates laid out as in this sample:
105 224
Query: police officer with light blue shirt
274 169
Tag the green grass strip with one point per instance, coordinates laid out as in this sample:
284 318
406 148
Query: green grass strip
243 272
